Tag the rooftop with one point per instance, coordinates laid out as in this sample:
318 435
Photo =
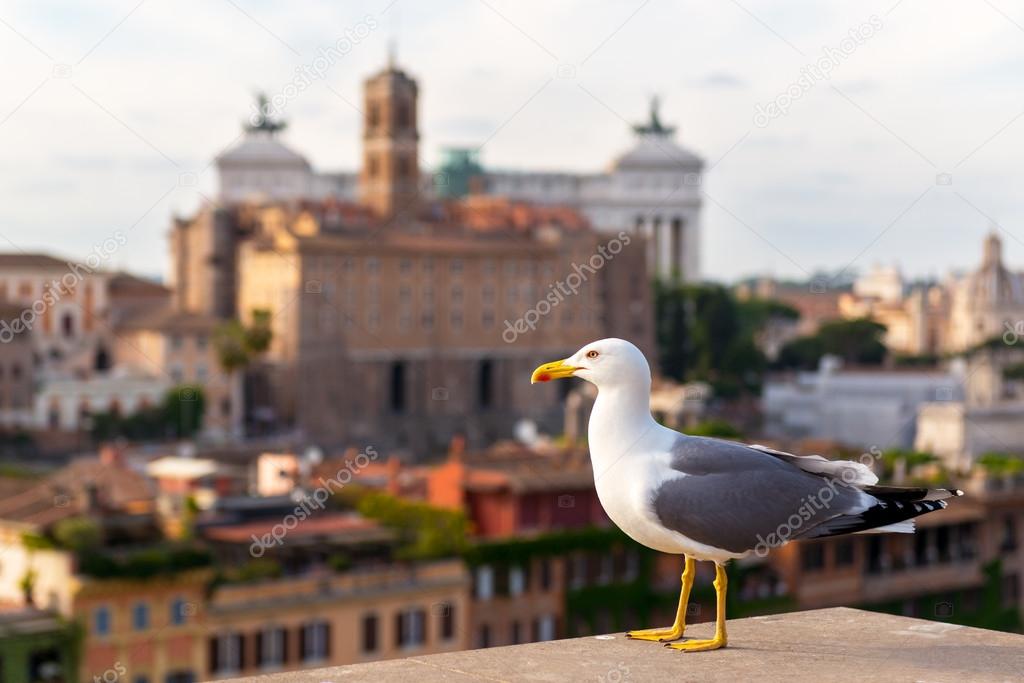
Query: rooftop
837 644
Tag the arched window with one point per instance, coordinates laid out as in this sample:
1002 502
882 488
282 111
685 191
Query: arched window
397 387
485 384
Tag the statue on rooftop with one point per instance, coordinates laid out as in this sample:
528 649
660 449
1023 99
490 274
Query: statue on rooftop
263 118
654 126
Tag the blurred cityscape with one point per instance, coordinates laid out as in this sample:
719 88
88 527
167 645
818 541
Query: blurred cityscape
317 443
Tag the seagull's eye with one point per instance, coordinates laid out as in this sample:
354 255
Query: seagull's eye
592 354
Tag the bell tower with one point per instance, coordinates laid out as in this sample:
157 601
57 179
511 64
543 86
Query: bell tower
389 180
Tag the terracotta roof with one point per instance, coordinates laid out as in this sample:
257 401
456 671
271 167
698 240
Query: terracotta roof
126 283
172 321
65 493
523 469
22 260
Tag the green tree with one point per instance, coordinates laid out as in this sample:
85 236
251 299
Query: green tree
77 533
237 346
702 335
856 342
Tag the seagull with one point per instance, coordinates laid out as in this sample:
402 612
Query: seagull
714 500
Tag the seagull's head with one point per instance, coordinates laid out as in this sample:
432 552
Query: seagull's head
607 363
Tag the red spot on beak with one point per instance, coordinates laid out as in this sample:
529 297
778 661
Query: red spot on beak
544 377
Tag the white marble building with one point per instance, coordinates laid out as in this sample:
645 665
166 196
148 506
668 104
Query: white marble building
653 189
856 407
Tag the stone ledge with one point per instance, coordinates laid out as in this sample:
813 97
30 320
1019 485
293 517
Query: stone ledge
838 644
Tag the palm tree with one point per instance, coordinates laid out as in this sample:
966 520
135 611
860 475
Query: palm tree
237 346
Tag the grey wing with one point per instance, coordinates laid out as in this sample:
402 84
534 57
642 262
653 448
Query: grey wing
732 497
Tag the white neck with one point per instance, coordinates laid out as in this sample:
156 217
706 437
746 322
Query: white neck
620 420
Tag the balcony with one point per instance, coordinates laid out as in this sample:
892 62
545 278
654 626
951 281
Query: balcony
838 644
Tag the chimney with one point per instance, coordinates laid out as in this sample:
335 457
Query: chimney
394 467
457 448
112 455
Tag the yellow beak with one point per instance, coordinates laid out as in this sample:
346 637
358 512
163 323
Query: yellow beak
549 371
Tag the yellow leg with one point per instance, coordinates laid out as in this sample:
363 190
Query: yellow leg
721 584
675 631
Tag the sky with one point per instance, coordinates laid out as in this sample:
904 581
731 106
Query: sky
838 135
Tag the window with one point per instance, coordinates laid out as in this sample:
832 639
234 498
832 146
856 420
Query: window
456 266
812 556
140 616
67 325
516 581
398 387
411 628
845 550
316 641
1008 544
545 574
201 341
876 559
546 630
516 634
484 636
271 644
484 583
485 384
176 341
373 115
101 621
226 653
447 621
180 677
179 611
370 633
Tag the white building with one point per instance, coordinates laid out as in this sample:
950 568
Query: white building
989 417
858 408
883 283
986 303
66 404
653 189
